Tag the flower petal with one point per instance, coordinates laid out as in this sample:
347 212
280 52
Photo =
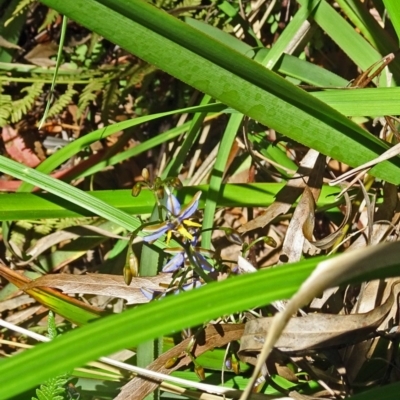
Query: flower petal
205 265
156 231
190 209
172 204
174 263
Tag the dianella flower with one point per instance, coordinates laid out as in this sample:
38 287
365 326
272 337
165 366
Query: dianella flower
180 259
177 219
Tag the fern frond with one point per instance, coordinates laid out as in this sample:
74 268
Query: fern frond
19 10
88 95
43 229
20 233
25 225
5 109
53 389
62 102
51 16
22 106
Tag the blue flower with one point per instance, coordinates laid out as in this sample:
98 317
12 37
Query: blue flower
176 221
181 258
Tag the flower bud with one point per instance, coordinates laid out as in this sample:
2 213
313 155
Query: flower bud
145 174
137 188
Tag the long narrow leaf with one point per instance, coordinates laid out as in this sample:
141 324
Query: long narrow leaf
230 77
158 318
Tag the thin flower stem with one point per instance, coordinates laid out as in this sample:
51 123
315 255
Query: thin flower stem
196 265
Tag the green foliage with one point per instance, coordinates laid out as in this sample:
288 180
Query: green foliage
5 109
51 326
89 94
224 73
62 102
21 8
54 388
21 107
14 111
111 97
51 16
189 5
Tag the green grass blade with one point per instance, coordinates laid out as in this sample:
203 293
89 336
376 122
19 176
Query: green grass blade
369 27
46 205
68 193
288 34
371 102
175 165
230 77
155 319
75 147
57 66
393 8
354 45
217 175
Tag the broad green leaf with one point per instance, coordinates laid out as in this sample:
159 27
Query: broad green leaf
46 205
155 319
369 27
352 43
69 193
393 8
231 78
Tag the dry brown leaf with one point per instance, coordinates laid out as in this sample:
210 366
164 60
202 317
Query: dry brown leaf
16 148
313 331
41 53
104 285
330 240
354 357
70 233
214 336
384 215
301 226
328 273
287 195
44 295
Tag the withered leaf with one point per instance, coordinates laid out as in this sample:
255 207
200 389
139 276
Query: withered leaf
70 233
41 53
355 356
329 240
301 226
289 194
52 298
214 336
17 148
385 213
314 331
103 284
